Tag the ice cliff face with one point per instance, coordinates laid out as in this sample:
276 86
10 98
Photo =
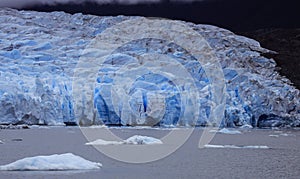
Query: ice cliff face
39 53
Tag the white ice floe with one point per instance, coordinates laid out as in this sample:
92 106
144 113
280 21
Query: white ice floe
246 126
138 139
229 131
66 161
1 142
286 135
278 132
135 140
281 134
97 126
44 127
237 147
104 142
273 135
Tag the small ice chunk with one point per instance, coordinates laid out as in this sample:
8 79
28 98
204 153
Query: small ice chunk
1 142
135 140
286 135
104 142
223 146
272 135
55 162
237 147
278 132
256 147
98 126
214 146
44 127
246 126
138 139
227 131
213 131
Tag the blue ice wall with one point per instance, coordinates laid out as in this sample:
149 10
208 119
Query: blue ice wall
39 52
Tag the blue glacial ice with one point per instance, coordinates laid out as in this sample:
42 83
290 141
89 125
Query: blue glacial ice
39 52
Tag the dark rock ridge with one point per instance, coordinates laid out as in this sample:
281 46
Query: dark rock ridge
287 43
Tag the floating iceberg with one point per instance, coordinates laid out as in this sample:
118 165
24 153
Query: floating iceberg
273 135
246 126
104 142
142 140
287 135
229 131
237 147
40 52
66 161
135 140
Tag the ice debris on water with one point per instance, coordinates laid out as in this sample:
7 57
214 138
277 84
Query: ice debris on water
104 142
237 147
273 135
246 126
142 140
39 52
56 162
135 140
229 131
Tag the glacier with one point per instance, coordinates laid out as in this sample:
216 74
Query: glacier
39 53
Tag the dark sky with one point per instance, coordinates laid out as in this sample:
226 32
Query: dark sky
236 15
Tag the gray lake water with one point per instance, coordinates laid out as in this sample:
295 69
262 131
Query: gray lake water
282 160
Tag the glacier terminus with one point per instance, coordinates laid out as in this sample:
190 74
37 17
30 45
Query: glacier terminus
39 54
